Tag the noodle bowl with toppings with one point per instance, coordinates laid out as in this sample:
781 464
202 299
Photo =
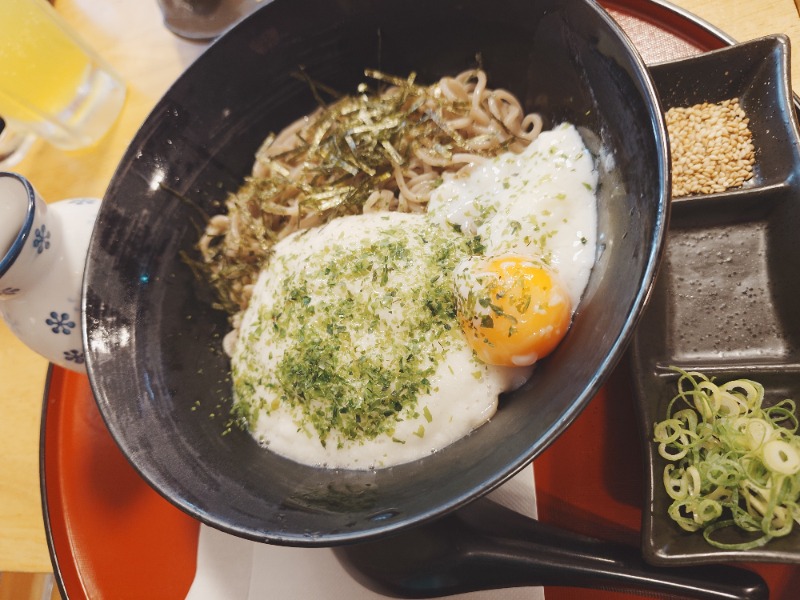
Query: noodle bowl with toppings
155 359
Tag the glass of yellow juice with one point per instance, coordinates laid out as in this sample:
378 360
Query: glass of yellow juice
51 82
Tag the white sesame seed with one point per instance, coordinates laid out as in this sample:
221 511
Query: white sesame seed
712 148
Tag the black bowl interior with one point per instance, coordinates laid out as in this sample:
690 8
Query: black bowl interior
153 341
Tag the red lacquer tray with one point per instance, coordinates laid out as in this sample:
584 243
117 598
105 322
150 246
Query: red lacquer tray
112 536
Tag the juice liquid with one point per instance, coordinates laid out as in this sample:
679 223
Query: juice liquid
41 66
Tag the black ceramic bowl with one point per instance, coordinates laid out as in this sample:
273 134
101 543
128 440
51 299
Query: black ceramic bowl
153 340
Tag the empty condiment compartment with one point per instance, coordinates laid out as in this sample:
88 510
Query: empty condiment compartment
726 292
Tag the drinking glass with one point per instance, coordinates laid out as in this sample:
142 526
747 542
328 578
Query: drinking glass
51 82
13 145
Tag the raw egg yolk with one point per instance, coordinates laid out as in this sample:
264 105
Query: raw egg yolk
512 310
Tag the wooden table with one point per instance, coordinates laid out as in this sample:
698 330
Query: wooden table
130 35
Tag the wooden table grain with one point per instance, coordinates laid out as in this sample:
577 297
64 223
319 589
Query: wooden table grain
130 35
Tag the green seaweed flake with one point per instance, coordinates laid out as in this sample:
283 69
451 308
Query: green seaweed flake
339 386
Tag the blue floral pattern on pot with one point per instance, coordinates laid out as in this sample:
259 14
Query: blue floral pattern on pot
41 239
75 356
40 285
60 323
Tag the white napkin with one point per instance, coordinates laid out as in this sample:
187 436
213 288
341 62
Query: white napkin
230 568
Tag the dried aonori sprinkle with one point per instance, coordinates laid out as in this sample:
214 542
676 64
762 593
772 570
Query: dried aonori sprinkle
712 147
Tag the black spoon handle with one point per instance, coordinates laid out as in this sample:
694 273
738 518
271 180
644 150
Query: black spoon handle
486 546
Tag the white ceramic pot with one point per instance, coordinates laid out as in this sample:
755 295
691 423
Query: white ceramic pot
42 255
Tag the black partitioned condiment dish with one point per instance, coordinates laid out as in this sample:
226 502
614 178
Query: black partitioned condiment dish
725 300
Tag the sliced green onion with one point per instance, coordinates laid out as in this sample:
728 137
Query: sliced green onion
732 462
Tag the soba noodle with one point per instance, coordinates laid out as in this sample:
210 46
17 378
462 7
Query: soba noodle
363 153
